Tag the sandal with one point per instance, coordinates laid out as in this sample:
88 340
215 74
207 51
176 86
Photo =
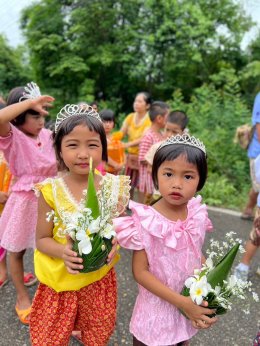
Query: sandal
3 282
23 315
248 217
29 279
77 336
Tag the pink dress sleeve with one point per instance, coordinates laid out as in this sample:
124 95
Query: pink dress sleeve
128 230
199 212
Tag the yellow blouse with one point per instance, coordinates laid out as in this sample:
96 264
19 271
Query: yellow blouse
51 271
135 131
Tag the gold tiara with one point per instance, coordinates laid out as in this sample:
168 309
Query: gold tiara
71 110
32 91
186 140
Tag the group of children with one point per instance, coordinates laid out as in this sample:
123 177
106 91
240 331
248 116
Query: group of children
166 238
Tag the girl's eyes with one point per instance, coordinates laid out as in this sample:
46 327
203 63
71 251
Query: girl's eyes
168 175
188 177
75 145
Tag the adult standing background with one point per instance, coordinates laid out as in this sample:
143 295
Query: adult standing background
252 153
134 126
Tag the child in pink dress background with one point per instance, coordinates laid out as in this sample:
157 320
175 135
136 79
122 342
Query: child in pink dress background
27 147
158 113
167 239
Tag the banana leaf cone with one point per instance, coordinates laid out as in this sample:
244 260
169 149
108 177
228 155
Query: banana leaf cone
100 246
97 258
91 197
220 273
215 278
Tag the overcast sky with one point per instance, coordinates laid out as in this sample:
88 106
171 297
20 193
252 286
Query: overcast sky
10 13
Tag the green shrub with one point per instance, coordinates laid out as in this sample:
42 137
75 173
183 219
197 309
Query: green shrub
214 114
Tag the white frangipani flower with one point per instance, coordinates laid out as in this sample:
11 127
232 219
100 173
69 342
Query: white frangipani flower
198 291
209 263
94 226
108 232
84 242
191 280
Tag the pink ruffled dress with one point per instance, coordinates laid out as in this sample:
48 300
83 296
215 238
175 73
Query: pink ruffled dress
173 250
30 164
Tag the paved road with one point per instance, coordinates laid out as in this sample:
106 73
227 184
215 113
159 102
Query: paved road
233 329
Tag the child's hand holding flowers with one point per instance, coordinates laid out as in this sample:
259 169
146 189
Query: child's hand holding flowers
213 283
71 259
89 230
199 315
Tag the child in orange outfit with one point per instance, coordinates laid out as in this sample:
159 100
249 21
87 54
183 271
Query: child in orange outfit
115 150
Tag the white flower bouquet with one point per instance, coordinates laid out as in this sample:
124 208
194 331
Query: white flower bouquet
90 228
213 283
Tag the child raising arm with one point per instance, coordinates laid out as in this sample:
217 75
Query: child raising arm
27 147
167 239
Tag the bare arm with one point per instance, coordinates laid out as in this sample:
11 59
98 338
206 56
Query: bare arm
3 197
117 166
9 113
258 131
197 314
132 144
46 244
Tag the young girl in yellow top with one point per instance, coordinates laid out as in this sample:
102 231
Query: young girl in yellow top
66 299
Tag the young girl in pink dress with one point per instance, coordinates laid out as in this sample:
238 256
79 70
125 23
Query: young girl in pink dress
27 147
167 239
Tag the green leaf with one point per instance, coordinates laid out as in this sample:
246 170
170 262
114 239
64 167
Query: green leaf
91 198
220 273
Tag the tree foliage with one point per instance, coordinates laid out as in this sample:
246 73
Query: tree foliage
187 52
115 48
13 69
214 115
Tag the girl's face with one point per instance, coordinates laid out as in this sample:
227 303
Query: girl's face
33 124
78 146
140 105
108 126
178 180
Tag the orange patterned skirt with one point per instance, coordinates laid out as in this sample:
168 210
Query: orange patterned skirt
91 310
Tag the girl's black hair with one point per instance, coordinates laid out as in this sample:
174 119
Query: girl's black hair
147 97
14 97
69 124
172 151
107 115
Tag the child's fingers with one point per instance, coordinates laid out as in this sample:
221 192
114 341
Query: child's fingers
114 241
73 266
48 98
113 251
72 271
48 105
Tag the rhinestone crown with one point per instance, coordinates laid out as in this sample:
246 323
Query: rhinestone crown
75 110
186 140
32 91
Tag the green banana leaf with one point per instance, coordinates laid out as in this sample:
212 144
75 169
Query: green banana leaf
216 276
91 198
97 257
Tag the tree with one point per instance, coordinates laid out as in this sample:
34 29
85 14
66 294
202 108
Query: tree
117 48
13 68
